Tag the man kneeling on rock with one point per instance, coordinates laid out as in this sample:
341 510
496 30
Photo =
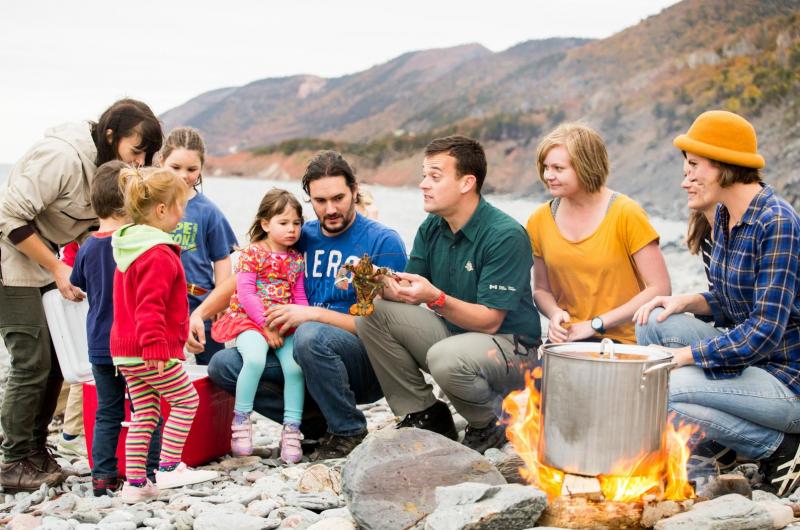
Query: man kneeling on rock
471 264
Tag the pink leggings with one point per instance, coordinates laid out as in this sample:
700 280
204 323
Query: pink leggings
146 387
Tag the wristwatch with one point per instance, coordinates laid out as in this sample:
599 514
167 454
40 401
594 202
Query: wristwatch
597 325
438 303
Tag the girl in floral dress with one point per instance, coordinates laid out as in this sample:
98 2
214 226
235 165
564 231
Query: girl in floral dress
269 272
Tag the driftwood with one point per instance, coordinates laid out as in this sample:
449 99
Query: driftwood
581 486
581 512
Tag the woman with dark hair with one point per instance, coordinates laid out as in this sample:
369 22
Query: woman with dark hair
44 203
739 385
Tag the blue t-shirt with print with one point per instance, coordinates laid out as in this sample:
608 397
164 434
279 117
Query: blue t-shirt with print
205 236
324 255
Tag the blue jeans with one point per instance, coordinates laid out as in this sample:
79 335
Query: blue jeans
337 374
749 413
107 425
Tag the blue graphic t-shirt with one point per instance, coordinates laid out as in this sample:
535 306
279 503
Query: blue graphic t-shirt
324 256
205 236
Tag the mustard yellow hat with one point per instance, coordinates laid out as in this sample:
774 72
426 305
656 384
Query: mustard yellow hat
722 136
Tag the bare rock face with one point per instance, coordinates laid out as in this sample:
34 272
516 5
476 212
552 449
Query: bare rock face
389 481
472 506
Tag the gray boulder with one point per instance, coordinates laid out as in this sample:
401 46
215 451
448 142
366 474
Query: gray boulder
729 512
389 481
471 506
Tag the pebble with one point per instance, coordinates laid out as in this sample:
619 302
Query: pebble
258 491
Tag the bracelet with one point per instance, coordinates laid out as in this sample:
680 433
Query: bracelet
438 303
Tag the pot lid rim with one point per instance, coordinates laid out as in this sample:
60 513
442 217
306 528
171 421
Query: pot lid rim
573 350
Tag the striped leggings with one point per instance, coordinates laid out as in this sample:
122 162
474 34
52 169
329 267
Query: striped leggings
146 388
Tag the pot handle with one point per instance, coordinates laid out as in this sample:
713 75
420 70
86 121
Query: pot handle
607 344
669 365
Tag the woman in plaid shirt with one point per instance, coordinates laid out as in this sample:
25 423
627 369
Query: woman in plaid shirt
741 385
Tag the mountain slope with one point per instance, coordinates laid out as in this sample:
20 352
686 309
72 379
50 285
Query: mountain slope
639 88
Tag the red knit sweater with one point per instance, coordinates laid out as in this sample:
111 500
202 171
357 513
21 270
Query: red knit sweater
151 307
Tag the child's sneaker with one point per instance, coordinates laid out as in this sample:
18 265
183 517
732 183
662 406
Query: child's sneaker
291 449
183 476
241 435
134 494
73 447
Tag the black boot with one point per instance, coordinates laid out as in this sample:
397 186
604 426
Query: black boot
436 418
782 468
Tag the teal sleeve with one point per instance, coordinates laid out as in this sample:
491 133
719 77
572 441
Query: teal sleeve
418 260
506 270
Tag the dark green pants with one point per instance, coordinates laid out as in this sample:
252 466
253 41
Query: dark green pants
34 379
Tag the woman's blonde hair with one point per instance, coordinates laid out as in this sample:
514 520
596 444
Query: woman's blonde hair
144 189
587 154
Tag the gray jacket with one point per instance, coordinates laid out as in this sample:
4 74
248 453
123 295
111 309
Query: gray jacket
49 188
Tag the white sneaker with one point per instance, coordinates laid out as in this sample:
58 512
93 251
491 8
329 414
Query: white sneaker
74 447
183 476
133 495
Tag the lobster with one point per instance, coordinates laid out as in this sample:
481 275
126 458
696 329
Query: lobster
365 277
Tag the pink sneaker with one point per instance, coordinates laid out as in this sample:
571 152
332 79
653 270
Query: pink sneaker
132 494
183 476
242 438
291 450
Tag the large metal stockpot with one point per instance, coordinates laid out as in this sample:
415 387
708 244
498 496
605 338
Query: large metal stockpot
602 403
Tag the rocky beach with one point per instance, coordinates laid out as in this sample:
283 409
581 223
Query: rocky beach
259 492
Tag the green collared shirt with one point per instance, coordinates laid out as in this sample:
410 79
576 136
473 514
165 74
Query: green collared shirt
487 262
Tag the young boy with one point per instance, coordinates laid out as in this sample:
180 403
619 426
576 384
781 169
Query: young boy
94 273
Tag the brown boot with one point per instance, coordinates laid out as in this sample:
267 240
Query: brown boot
44 461
22 475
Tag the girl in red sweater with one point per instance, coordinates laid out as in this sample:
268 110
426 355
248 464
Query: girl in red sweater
150 328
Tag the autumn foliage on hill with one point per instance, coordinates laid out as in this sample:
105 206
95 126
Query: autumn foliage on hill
639 87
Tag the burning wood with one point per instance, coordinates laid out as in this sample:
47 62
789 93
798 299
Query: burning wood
581 486
580 512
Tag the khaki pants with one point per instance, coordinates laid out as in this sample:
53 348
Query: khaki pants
475 370
70 402
34 379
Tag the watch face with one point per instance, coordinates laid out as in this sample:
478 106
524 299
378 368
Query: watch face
597 324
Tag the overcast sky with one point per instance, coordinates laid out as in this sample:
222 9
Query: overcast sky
68 60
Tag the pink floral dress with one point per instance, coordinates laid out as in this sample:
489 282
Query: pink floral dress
278 280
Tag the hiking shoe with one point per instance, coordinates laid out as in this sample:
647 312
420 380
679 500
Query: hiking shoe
436 418
493 435
183 476
291 450
103 486
135 494
74 447
782 468
45 461
712 454
702 468
335 446
24 475
241 436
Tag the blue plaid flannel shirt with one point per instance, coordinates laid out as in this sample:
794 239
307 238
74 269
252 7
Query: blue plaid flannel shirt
754 273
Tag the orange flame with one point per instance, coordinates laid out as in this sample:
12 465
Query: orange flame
662 473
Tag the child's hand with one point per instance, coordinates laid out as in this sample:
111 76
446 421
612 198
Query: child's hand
159 365
274 338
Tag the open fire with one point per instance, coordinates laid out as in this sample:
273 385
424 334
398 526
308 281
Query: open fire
661 473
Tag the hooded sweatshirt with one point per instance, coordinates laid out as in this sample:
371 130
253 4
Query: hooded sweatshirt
151 308
48 190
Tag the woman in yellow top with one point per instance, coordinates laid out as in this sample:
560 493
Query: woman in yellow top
596 256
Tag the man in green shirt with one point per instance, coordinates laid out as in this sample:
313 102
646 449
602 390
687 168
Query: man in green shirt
471 265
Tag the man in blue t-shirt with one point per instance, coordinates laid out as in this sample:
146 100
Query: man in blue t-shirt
337 371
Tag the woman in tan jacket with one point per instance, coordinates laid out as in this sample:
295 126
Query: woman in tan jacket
44 204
